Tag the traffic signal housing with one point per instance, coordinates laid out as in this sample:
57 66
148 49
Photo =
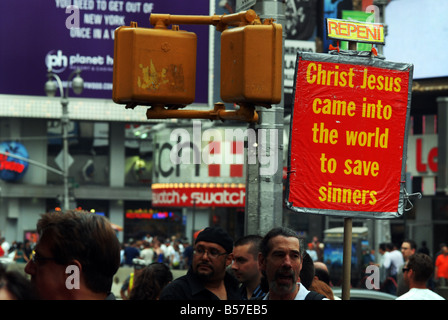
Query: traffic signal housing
157 66
251 64
154 66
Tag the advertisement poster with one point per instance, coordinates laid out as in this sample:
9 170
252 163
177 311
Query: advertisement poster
348 136
65 35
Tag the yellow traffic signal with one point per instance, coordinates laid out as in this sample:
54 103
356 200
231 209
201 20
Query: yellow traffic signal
251 64
154 66
157 66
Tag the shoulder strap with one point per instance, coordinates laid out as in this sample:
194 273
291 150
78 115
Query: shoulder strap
312 295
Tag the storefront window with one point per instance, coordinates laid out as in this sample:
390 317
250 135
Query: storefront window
141 219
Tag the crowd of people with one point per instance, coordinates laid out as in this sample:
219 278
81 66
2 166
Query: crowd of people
17 251
175 252
400 266
78 254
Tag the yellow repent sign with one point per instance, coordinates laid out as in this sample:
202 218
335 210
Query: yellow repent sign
355 31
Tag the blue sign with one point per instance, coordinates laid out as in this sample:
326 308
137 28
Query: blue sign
11 168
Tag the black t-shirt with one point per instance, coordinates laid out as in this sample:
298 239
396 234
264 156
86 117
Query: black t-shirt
190 287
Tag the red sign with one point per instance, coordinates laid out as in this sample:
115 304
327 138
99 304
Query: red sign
348 136
198 196
10 165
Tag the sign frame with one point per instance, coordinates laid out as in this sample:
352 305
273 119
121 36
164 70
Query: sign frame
366 25
360 59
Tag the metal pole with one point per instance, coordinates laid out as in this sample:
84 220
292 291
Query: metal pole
264 189
347 259
64 124
30 161
194 222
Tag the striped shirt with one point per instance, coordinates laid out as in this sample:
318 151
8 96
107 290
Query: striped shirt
258 293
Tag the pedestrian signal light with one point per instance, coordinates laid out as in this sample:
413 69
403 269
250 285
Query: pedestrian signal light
251 64
154 66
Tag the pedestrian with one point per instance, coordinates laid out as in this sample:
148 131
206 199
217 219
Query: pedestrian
312 252
187 255
19 255
307 272
128 284
207 278
321 287
168 251
158 252
5 246
245 266
131 251
441 267
392 262
424 249
147 253
175 257
150 282
417 272
408 248
321 272
14 286
76 256
28 249
280 260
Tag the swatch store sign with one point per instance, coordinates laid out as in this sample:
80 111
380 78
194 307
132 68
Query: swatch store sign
198 168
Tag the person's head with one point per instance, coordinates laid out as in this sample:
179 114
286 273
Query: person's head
389 247
212 254
245 259
321 272
418 269
14 286
76 256
408 248
150 282
139 265
307 272
382 248
444 249
280 260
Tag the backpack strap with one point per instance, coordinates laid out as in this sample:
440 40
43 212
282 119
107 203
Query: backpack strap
312 295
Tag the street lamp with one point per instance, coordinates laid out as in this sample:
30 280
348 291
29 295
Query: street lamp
77 84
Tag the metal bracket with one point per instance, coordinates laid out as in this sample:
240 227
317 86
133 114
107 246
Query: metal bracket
407 196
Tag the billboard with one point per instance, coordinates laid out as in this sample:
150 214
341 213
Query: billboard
348 136
64 35
429 57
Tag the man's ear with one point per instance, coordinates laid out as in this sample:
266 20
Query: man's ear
229 259
73 273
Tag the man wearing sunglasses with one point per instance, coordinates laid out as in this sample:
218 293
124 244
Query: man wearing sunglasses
75 258
207 278
416 272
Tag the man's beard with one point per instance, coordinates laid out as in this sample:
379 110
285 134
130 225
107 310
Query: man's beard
287 287
205 276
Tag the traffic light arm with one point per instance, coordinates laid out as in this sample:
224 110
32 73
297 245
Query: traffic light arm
246 113
221 22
